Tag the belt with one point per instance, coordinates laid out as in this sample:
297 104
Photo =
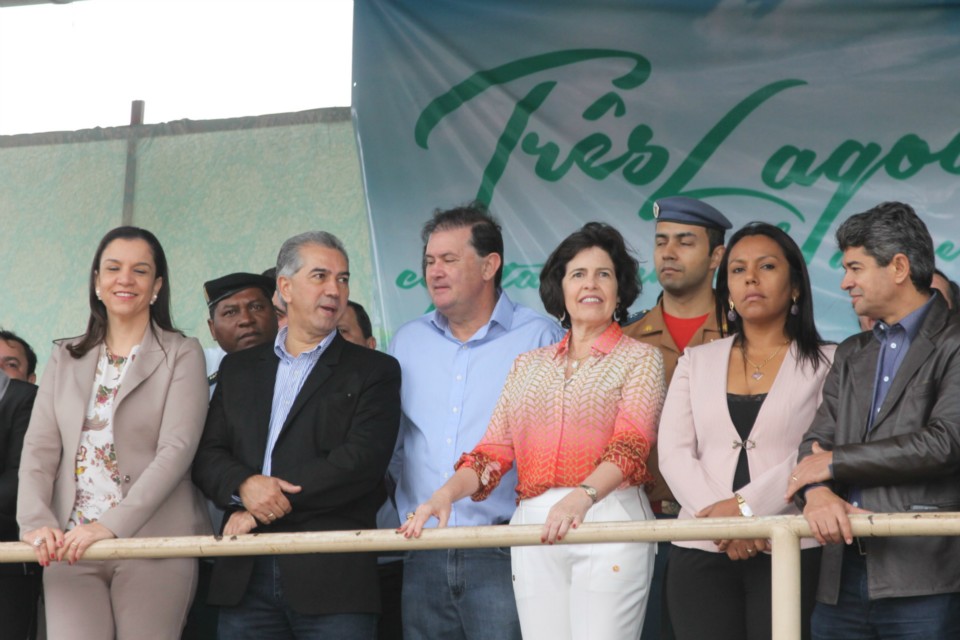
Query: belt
860 546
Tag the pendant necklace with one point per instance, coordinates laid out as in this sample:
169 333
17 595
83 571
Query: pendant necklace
757 373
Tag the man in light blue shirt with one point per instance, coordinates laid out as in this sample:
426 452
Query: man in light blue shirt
454 362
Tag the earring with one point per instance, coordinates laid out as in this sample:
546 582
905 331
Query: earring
794 309
731 315
563 316
97 291
153 299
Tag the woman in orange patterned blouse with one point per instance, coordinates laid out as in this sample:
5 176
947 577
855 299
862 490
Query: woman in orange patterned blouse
578 419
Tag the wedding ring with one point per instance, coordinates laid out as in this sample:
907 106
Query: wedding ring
410 516
75 544
751 551
271 516
37 541
795 478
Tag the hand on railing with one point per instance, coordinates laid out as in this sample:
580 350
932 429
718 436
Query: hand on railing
438 506
239 523
827 514
46 541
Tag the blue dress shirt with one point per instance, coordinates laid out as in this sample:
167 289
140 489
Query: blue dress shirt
448 394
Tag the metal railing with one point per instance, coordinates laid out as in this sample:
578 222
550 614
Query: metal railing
784 531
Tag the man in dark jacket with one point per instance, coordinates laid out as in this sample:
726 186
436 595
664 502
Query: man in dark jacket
887 439
19 582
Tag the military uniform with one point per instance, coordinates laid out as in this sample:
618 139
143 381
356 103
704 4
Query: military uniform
652 329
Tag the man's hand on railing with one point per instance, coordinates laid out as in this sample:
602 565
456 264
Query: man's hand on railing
239 523
827 514
438 506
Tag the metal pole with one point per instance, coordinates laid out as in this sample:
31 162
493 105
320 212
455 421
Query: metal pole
130 179
786 584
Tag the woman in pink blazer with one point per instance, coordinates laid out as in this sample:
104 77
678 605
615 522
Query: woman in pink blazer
735 413
107 454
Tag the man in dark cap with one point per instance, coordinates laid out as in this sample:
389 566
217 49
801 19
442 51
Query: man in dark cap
241 315
687 251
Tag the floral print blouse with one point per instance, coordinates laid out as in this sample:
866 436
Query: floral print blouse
557 429
97 471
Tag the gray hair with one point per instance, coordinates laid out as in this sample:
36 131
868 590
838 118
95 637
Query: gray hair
289 260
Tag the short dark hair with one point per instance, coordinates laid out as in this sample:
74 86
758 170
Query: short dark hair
592 234
363 319
715 237
954 288
888 229
800 327
159 310
10 336
486 237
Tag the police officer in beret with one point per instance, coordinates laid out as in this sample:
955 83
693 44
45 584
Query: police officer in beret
687 251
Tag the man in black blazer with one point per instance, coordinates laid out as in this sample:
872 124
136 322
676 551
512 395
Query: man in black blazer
298 438
19 582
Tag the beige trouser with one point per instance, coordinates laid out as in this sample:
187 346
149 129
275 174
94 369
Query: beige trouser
583 591
122 599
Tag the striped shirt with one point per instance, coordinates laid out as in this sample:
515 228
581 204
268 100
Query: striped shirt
291 374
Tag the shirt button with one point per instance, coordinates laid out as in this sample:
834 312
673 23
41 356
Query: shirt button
126 479
459 377
446 475
449 441
856 504
455 409
893 345
886 378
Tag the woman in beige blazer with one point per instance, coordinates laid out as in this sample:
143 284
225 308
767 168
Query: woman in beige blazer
107 454
734 416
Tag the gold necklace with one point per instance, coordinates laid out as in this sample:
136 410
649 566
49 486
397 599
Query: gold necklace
757 373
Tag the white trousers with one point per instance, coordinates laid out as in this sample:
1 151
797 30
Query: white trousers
583 591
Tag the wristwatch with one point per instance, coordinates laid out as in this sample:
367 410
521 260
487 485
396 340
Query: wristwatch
590 492
745 509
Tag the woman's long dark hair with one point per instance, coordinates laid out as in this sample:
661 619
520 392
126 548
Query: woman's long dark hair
799 328
159 310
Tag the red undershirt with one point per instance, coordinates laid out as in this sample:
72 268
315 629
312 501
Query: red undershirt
682 329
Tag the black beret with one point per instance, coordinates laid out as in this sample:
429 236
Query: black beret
225 286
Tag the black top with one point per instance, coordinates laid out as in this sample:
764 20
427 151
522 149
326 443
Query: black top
743 412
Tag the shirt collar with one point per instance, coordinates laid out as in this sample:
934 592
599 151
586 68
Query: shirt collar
280 346
502 315
604 344
910 323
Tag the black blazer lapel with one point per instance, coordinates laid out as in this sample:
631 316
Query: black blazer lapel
264 382
320 374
